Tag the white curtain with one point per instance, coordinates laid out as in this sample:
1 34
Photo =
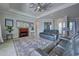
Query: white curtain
1 40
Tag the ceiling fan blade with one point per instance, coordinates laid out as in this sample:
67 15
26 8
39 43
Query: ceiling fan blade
32 5
46 6
39 4
35 9
40 10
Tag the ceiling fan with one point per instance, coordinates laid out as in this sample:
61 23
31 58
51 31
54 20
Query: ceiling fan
39 6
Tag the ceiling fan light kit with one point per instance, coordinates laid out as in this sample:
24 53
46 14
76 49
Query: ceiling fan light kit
39 7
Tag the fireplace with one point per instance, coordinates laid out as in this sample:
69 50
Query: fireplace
23 32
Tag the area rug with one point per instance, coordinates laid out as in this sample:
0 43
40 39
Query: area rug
23 46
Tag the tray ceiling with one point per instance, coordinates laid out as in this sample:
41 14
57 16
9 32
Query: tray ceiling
24 8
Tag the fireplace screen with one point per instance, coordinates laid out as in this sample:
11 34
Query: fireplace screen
23 32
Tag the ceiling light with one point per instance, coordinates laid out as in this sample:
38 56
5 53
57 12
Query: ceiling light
39 6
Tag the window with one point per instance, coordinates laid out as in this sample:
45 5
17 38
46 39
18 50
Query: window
60 28
70 25
47 25
63 27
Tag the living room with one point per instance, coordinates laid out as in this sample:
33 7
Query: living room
37 32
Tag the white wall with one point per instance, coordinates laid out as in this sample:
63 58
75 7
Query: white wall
1 39
15 17
2 23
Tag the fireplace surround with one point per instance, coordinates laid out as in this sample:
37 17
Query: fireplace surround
23 32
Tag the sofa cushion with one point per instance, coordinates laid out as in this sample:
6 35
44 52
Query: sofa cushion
49 47
56 51
51 31
49 37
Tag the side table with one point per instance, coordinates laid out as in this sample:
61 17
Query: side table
9 36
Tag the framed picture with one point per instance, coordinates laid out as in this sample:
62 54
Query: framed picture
22 24
8 22
32 27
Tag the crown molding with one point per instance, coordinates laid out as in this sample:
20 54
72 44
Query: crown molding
4 13
21 13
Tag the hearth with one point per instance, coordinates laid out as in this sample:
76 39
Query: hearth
23 32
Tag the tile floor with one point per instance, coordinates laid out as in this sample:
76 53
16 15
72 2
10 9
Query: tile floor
7 49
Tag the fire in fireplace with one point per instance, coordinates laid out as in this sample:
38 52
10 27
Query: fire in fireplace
23 32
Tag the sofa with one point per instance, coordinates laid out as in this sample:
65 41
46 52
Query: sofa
56 48
49 34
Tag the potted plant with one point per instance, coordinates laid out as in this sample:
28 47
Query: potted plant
9 28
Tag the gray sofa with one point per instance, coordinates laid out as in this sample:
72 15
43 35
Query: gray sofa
56 48
49 34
